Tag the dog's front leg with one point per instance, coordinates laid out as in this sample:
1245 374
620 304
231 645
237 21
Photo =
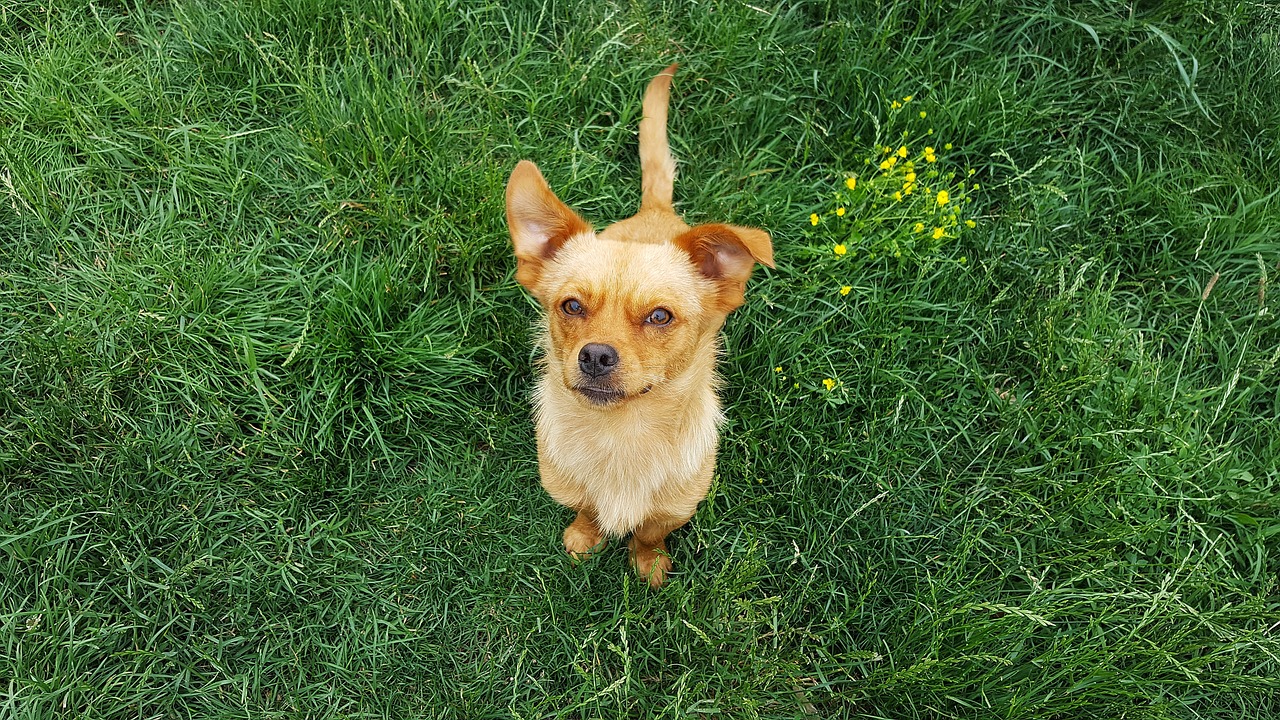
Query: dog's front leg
649 549
583 539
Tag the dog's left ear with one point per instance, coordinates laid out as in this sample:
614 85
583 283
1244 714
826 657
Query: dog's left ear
727 254
539 222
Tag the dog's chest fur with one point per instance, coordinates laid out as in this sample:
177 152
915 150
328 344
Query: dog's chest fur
631 465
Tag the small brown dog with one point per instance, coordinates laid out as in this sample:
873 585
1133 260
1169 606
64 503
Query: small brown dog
627 413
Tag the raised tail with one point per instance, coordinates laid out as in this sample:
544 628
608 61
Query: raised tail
657 167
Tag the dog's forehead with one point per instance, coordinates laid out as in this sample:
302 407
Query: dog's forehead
641 272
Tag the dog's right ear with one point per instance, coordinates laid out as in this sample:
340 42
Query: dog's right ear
538 221
726 254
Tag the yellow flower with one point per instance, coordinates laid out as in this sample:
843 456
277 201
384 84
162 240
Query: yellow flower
851 183
919 227
947 146
906 189
778 369
971 223
886 149
813 218
972 171
829 383
908 98
840 249
923 114
897 196
895 105
943 197
937 233
844 290
910 177
839 212
902 151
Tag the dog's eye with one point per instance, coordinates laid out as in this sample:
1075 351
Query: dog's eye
571 307
659 317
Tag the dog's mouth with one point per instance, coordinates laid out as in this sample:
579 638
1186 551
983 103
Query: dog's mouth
600 396
606 396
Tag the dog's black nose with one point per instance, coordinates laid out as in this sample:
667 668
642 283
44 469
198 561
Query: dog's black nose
597 359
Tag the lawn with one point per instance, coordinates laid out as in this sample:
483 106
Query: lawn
265 441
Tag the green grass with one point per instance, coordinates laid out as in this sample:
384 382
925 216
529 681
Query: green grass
265 445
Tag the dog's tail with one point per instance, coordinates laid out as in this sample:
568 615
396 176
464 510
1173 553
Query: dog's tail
657 167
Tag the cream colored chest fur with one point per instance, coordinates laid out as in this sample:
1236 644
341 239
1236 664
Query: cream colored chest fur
627 466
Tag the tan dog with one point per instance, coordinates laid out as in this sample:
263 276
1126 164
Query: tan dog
627 413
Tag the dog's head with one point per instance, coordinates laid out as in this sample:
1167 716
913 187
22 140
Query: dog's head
626 316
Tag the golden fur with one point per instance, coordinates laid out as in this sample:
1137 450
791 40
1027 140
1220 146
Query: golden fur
626 409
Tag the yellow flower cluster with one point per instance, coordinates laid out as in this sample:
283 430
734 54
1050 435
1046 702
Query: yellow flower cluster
828 383
909 202
905 200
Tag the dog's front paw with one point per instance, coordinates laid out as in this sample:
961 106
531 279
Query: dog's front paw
651 563
582 540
